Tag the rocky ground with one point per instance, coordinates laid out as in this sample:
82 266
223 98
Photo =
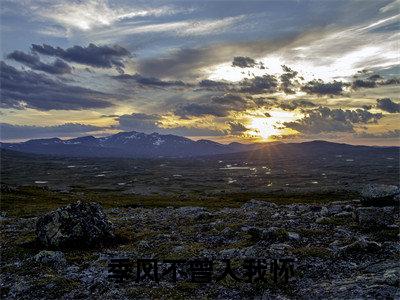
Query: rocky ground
344 249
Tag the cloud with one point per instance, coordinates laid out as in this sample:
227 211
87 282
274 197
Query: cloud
359 83
259 84
324 119
88 15
296 104
21 89
10 131
92 55
139 122
234 101
216 85
236 128
33 62
391 134
153 123
373 81
243 62
197 110
388 105
149 81
219 106
321 88
192 63
286 78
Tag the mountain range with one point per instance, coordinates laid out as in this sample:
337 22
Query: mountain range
140 145
127 144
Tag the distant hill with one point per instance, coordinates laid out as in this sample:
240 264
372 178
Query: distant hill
127 144
140 145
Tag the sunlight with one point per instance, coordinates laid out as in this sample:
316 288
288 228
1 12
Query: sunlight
263 127
266 127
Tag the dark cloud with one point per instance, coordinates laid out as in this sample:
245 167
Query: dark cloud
219 106
216 85
236 128
10 132
373 81
243 62
21 89
321 88
287 83
374 77
391 134
265 102
324 119
200 109
149 81
189 63
139 122
152 123
388 105
232 100
92 55
390 81
359 83
259 84
296 104
181 63
33 61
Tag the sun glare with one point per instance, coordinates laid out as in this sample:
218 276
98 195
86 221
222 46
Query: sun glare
263 127
266 127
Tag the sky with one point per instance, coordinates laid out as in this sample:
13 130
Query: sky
244 71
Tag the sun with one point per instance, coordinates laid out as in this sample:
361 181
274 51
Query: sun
263 127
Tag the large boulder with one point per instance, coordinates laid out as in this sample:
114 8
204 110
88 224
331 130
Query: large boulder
370 217
75 225
380 195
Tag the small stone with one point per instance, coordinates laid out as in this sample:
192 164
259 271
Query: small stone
254 204
274 234
53 258
360 246
321 220
293 236
344 214
392 277
368 217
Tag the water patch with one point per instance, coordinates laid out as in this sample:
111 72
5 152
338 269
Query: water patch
236 168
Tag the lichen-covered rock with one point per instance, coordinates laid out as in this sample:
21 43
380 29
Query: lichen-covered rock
369 217
53 258
360 246
380 195
79 224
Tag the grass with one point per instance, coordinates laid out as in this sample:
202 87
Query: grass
312 251
33 201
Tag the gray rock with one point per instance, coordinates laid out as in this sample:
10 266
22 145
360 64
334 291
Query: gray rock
360 246
275 234
392 277
254 204
53 258
293 236
369 217
380 195
230 253
79 224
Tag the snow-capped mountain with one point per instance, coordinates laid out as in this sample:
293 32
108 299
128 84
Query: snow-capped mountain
127 144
